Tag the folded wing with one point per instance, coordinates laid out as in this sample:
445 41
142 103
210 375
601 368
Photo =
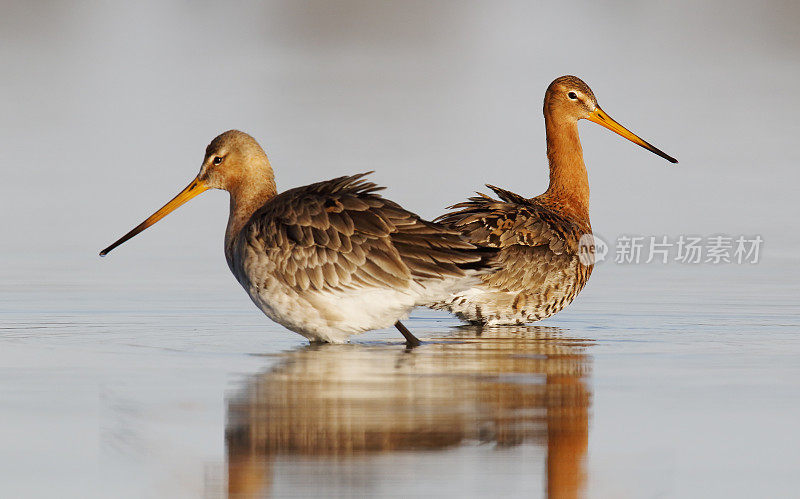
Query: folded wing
341 233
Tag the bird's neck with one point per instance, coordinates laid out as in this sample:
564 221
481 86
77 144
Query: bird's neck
569 182
246 198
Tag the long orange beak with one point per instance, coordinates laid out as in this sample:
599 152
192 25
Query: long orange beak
601 118
193 189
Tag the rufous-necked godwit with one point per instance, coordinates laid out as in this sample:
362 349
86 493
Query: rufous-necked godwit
540 239
330 259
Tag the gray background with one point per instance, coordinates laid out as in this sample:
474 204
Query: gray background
106 109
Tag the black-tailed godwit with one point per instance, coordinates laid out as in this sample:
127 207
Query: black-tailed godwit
540 239
330 259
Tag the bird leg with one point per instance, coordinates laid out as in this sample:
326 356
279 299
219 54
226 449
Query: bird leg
411 340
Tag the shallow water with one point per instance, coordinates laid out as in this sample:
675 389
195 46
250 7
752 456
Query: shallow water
659 381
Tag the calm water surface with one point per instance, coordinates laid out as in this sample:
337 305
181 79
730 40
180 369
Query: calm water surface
659 381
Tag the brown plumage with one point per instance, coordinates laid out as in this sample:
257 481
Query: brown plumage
340 234
545 243
329 259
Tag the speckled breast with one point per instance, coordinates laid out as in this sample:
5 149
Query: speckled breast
532 284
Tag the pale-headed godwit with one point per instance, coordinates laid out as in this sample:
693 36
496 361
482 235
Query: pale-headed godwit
540 239
330 259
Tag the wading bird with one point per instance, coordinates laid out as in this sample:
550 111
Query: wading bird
330 259
545 243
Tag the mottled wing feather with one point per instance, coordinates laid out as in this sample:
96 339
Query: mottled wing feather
340 233
535 241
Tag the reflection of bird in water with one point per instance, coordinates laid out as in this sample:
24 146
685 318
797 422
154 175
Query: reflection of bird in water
333 404
541 239
330 259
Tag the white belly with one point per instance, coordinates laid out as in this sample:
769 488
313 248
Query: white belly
332 316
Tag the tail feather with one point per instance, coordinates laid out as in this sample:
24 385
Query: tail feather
487 263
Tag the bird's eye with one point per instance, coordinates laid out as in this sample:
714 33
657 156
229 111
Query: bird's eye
572 95
217 160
